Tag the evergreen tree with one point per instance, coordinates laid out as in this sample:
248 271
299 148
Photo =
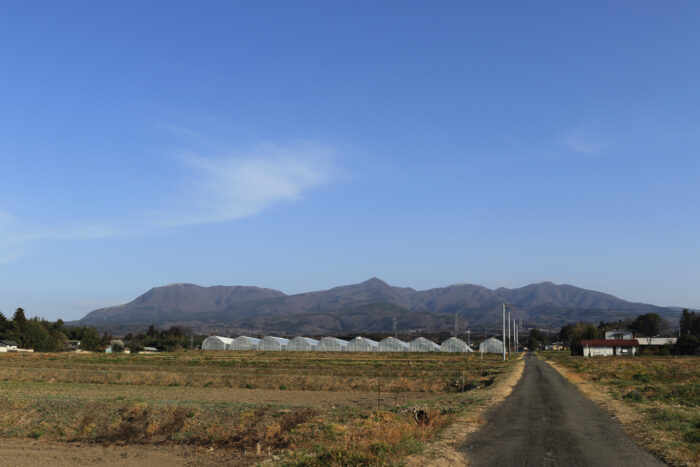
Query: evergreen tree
648 324
37 337
89 339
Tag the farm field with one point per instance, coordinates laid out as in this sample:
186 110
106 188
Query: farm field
301 408
657 399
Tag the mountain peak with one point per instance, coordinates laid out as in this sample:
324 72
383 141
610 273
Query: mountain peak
373 281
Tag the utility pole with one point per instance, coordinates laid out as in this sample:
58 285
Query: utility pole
456 326
520 328
509 346
469 337
395 333
504 332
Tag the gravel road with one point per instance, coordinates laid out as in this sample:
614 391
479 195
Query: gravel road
546 421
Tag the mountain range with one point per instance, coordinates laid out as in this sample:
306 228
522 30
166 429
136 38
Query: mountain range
370 306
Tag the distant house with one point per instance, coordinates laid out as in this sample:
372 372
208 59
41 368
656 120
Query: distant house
554 346
71 345
619 334
654 344
609 347
8 345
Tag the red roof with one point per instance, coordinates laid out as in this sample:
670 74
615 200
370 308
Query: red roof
610 343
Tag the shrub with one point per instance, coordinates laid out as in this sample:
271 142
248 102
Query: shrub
641 377
692 436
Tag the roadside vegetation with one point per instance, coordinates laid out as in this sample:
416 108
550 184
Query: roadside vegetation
382 407
656 398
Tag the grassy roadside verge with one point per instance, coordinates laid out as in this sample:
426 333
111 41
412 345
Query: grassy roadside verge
656 399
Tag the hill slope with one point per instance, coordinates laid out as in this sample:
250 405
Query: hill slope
368 306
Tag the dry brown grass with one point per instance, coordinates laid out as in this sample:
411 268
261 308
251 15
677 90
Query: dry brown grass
194 399
307 371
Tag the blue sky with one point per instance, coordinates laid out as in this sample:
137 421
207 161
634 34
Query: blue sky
303 145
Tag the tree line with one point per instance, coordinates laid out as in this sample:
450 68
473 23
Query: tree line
648 325
44 336
41 335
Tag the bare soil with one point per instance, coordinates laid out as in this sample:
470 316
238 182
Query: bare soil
33 453
184 394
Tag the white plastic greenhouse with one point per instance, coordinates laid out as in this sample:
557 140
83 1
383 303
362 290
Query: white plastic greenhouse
362 344
421 344
217 343
245 343
391 344
273 343
302 343
455 345
332 344
491 345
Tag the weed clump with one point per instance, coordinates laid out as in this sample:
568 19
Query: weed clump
634 396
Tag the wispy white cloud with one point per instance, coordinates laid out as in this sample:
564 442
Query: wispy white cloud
224 188
211 188
584 142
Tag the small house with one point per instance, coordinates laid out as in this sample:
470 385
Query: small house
8 345
71 346
619 334
655 343
609 347
554 346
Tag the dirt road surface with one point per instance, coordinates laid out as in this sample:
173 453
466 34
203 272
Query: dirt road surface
546 421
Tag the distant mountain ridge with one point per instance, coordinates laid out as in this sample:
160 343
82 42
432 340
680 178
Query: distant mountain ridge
370 306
